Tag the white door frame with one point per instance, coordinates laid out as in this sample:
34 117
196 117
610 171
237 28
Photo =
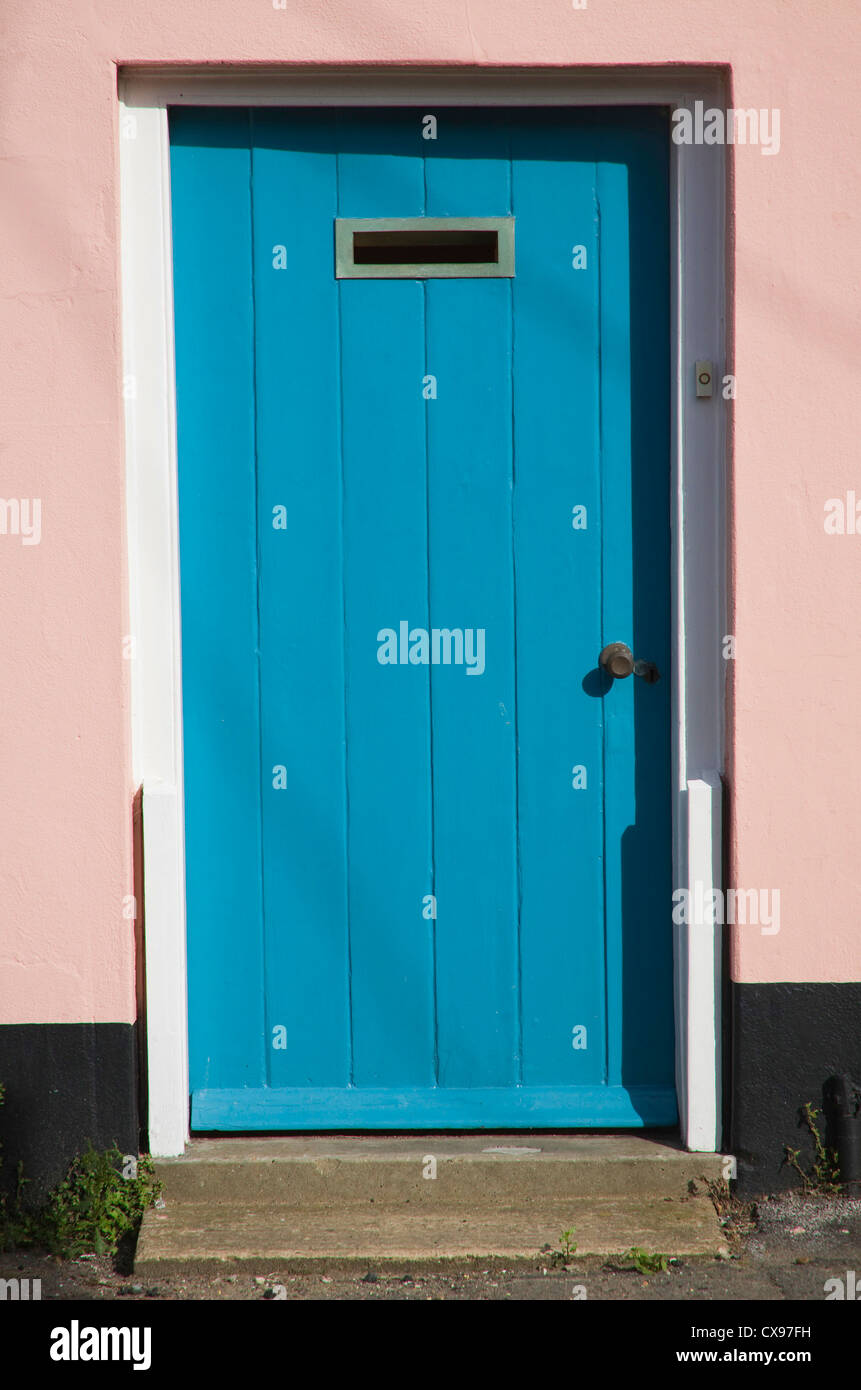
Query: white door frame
699 469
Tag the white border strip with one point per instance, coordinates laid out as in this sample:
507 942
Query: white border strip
698 491
700 947
154 605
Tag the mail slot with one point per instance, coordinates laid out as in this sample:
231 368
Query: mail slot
424 248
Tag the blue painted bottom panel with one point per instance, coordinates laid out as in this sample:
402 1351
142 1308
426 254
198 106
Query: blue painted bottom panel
519 1107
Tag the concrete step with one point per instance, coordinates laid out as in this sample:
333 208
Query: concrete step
272 1200
470 1170
185 1236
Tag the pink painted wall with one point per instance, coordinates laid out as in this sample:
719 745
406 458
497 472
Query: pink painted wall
65 813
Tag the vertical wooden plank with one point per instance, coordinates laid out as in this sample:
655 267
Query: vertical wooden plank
386 585
301 599
633 197
617 576
210 167
558 568
471 589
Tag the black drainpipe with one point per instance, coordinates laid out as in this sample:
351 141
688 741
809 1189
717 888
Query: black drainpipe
842 1101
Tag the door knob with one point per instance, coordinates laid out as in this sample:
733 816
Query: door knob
618 660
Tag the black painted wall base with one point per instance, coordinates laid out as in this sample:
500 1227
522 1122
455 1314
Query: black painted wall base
786 1040
65 1084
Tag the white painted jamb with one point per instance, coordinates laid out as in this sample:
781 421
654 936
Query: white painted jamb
698 290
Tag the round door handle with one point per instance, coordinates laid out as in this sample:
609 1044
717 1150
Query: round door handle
618 660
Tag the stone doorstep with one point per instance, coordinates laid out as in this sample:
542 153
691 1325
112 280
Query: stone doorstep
367 1198
474 1170
203 1233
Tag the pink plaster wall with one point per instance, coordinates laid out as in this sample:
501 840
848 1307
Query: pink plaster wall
65 810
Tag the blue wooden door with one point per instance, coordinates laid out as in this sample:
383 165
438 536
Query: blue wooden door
427 836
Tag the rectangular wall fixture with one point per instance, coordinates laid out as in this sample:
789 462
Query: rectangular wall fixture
424 248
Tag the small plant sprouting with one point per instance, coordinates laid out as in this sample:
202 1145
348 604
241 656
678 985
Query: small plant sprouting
644 1263
94 1205
567 1250
569 1247
736 1216
89 1212
823 1176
